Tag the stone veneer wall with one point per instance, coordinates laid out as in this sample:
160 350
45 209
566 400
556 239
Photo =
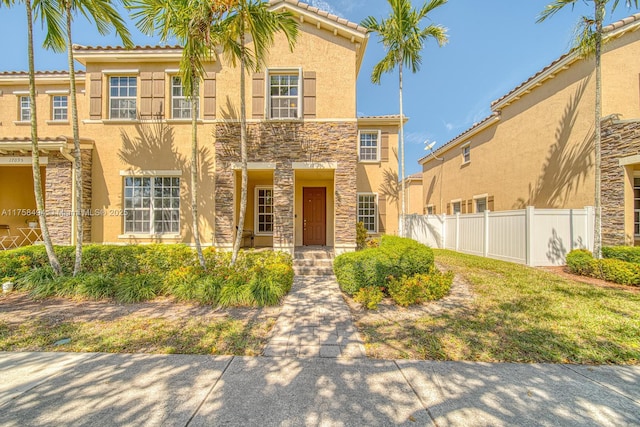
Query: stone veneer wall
57 198
285 143
619 139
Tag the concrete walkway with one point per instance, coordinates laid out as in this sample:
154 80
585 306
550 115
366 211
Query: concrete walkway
89 389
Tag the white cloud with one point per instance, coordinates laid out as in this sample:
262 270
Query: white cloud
415 138
323 5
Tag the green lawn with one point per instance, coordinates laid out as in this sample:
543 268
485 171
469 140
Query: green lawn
519 314
138 334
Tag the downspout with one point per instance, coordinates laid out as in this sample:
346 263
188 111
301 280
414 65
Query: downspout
66 153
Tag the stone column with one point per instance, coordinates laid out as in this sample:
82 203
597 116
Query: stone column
283 194
58 196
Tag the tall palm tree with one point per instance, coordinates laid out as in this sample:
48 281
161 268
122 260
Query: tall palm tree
190 23
52 15
250 20
58 36
403 40
588 41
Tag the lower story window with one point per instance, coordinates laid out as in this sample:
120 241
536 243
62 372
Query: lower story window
456 207
367 211
481 204
264 210
152 205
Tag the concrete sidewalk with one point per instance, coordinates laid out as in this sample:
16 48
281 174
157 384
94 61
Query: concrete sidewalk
175 390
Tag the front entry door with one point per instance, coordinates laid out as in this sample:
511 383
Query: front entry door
314 216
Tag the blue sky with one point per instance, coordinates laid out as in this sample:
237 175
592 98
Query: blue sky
494 45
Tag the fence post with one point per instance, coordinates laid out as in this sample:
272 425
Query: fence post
457 231
443 229
485 244
529 218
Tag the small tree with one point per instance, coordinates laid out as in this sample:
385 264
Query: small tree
403 39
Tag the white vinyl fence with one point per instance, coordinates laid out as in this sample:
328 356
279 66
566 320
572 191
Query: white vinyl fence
536 237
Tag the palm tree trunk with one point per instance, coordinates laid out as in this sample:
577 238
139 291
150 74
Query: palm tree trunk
402 184
597 232
194 169
35 153
77 154
243 156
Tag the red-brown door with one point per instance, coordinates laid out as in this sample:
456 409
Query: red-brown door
314 216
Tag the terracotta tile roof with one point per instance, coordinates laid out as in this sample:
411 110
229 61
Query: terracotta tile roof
415 176
386 116
8 140
322 13
116 48
607 29
37 73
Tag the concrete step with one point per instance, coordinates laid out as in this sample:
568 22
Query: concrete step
314 253
328 262
312 271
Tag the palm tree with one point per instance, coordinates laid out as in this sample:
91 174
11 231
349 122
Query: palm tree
588 41
250 19
190 23
52 15
105 17
403 40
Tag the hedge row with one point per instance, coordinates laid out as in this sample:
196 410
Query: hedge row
401 268
581 262
142 272
622 253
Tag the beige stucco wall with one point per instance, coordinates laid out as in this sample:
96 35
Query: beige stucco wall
413 197
382 177
621 77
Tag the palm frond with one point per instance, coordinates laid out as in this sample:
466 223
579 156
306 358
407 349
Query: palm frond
50 14
555 7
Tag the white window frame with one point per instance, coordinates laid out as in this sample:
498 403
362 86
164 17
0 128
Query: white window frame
256 211
635 211
182 97
152 201
123 98
55 108
466 153
431 208
480 197
453 203
289 72
24 108
378 134
375 211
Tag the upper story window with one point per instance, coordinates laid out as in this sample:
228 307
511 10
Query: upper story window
369 146
430 210
25 108
180 105
59 107
466 154
123 92
456 207
284 95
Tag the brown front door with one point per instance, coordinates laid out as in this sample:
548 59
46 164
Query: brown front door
314 216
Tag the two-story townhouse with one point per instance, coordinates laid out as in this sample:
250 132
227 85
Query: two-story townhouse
536 148
315 168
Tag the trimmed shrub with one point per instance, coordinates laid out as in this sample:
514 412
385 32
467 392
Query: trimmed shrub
137 288
420 287
580 261
395 257
622 253
361 235
614 270
369 297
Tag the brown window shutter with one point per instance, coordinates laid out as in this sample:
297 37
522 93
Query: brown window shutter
258 96
463 207
382 213
469 206
384 147
157 108
95 96
490 203
448 208
309 88
209 96
146 94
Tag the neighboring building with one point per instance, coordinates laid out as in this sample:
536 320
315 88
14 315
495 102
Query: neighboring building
315 168
413 194
536 149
